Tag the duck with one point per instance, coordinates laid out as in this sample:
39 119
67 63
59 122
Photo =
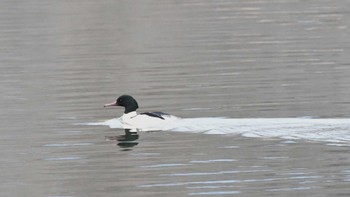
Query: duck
133 121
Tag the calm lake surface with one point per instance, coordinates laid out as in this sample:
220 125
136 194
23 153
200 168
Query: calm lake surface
61 61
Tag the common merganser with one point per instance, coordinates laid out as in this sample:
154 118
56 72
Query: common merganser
133 121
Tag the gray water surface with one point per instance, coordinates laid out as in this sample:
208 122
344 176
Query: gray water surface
61 61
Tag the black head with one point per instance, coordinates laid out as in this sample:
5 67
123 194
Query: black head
126 101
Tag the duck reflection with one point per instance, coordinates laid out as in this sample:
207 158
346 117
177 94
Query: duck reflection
125 141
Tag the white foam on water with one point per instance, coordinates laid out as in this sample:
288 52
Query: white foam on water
334 131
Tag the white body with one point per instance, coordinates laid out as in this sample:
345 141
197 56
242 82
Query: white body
142 122
332 131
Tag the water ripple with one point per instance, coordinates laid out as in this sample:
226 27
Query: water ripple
62 158
67 145
164 165
214 173
214 193
228 181
212 161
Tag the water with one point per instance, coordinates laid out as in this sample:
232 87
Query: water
61 61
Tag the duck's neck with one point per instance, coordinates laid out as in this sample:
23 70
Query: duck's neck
130 114
131 107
